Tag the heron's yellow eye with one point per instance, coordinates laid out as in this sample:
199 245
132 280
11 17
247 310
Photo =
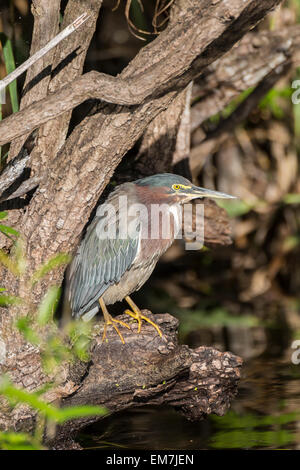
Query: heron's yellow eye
176 187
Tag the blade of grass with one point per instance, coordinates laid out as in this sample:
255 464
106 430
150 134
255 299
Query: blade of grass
58 415
18 441
6 300
24 326
48 305
52 43
53 263
8 231
10 65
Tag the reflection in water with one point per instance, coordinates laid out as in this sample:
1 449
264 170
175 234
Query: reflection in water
265 415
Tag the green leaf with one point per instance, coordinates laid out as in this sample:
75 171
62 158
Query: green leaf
292 198
3 215
19 256
235 208
15 395
271 102
23 325
80 334
8 230
55 351
81 348
8 262
55 262
48 305
10 67
73 412
6 300
18 441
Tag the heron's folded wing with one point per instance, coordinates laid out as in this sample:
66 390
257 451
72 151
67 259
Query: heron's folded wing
103 257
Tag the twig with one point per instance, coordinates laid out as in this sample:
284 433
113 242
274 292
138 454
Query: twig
29 62
13 170
15 167
23 189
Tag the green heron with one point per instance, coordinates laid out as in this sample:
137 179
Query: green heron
112 262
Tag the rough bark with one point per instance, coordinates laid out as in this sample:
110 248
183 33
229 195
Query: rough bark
154 371
202 34
165 145
46 24
67 66
15 168
255 57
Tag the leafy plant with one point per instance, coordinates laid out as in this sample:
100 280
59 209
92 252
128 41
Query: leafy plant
272 101
49 413
55 345
8 231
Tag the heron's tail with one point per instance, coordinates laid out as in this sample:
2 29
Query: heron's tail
90 314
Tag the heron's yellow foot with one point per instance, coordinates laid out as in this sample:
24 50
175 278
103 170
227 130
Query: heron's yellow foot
109 320
138 316
112 321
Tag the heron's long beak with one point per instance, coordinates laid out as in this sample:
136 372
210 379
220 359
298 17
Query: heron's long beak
196 192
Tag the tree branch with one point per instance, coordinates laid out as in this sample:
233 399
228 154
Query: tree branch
214 138
166 141
41 52
15 168
67 66
252 59
195 382
244 109
46 24
204 33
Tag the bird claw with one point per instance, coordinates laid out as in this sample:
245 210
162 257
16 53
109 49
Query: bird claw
138 316
112 322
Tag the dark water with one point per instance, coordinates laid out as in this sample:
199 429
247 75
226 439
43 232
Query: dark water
264 415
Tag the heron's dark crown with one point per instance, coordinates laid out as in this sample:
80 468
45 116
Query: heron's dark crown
163 180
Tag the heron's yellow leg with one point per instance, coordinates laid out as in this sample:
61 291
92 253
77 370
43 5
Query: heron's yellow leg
138 316
109 320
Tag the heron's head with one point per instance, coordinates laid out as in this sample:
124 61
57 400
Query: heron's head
178 188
